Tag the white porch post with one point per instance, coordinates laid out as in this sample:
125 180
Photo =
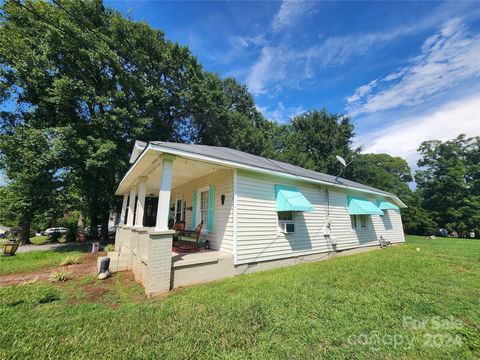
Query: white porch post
131 205
124 209
140 202
164 194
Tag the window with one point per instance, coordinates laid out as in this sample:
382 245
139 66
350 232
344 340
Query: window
359 221
179 209
286 221
285 216
353 219
204 208
363 221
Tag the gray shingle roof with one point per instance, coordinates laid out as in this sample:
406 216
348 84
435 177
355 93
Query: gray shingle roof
227 154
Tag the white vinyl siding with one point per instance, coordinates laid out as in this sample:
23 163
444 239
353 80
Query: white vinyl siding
222 236
257 221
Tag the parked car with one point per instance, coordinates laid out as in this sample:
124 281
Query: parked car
56 230
111 229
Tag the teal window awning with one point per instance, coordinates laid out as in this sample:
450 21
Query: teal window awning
288 198
386 205
361 206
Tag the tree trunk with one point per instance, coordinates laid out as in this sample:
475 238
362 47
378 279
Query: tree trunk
81 223
24 236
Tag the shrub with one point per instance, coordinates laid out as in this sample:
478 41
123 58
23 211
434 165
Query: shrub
70 260
62 275
39 240
109 247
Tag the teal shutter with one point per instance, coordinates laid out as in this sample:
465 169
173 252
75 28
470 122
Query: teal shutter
211 207
194 210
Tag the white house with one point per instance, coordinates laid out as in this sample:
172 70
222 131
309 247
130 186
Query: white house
257 213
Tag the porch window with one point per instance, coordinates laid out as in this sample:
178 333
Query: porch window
204 208
179 209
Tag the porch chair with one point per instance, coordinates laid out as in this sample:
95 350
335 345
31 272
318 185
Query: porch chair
179 228
191 246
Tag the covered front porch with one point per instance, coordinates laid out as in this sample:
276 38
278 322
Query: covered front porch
159 191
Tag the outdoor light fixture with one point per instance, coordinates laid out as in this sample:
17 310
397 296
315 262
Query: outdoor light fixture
223 199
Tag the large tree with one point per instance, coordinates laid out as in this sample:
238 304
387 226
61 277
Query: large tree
393 174
448 182
225 115
314 138
29 157
100 80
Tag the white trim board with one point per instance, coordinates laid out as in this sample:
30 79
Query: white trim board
235 207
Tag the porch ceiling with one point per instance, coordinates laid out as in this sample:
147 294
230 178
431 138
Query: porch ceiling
149 165
184 171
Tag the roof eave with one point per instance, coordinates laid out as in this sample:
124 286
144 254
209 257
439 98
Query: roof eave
163 149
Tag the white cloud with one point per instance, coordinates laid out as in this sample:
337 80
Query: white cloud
290 12
243 42
403 137
447 58
280 56
284 65
272 67
276 61
280 113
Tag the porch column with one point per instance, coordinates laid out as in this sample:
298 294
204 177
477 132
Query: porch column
131 205
164 194
124 209
140 202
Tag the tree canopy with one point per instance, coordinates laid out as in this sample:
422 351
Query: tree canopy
448 182
314 138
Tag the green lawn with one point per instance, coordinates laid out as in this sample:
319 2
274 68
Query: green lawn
332 309
33 260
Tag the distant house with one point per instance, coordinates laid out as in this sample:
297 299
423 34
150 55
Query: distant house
256 213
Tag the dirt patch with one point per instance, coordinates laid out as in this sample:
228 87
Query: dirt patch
127 278
462 269
96 292
105 291
87 267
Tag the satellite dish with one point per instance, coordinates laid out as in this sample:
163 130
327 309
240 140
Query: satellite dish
342 160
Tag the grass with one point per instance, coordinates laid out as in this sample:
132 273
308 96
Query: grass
71 260
33 260
61 275
331 309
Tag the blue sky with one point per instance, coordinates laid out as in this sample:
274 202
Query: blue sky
405 71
